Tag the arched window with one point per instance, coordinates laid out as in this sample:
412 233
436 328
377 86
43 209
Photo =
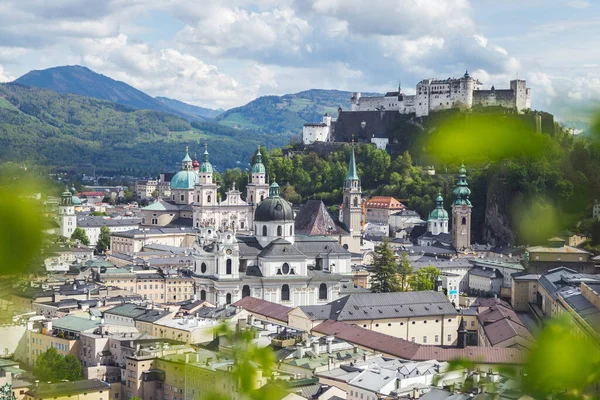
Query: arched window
279 231
285 293
228 267
262 197
198 198
346 202
203 268
245 291
356 202
251 198
208 198
322 291
228 298
464 221
291 230
203 295
264 230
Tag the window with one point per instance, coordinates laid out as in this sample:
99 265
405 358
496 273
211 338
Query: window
208 198
292 232
424 339
472 323
285 268
264 230
279 231
412 339
449 338
323 291
285 293
436 338
203 295
355 200
228 267
464 221
228 298
182 197
245 291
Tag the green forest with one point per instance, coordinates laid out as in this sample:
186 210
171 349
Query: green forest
68 132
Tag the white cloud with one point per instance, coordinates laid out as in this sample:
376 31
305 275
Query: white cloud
4 77
581 4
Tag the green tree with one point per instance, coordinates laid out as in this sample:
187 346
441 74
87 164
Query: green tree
424 278
72 368
79 234
49 365
385 276
103 240
98 214
405 272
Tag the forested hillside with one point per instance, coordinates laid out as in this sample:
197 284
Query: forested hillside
287 114
525 187
68 132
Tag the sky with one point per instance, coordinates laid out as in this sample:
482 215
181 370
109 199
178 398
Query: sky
224 53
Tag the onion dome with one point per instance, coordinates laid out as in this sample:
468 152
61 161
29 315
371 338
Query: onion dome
258 167
187 178
439 212
75 200
206 166
195 163
462 191
274 207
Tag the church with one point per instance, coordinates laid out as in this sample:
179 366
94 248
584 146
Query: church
281 260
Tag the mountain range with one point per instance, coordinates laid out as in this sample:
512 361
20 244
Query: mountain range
71 117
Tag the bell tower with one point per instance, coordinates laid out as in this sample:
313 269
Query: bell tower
461 213
352 207
258 188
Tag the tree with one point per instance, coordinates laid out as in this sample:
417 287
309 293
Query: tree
79 234
72 368
98 214
405 271
103 240
424 279
385 277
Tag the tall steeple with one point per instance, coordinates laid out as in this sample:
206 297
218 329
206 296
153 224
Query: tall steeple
258 188
461 212
186 163
352 207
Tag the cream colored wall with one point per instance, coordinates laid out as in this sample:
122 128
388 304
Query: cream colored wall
91 395
297 319
523 293
40 342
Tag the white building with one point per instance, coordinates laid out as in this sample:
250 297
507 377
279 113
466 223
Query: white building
436 94
92 224
66 219
484 280
319 132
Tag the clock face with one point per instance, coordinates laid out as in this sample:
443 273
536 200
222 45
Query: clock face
228 252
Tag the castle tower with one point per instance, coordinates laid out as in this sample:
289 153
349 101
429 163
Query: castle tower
258 189
467 86
438 218
66 214
461 213
352 208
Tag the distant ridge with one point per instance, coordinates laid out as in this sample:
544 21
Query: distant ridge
190 109
80 80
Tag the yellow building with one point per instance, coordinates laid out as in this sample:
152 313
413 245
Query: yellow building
421 317
91 389
541 259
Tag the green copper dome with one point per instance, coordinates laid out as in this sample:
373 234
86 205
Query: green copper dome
258 167
186 179
462 191
206 166
439 212
75 200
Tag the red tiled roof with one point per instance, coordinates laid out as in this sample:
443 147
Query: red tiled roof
386 202
263 307
411 351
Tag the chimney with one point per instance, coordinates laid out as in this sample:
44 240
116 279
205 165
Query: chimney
316 347
330 363
49 327
300 352
416 393
329 344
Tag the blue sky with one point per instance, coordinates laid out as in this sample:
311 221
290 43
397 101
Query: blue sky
224 53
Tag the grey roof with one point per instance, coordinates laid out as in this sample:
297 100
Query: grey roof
559 278
75 324
281 248
153 231
361 306
490 273
314 219
98 221
137 312
315 246
583 307
374 380
407 213
441 264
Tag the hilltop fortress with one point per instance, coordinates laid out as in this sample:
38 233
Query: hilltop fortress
376 114
435 94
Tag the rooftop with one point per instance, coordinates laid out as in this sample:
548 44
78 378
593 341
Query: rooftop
53 390
384 202
265 308
75 324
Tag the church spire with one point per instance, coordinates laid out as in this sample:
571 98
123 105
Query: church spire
352 173
462 191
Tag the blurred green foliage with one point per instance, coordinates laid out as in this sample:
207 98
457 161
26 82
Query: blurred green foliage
53 366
